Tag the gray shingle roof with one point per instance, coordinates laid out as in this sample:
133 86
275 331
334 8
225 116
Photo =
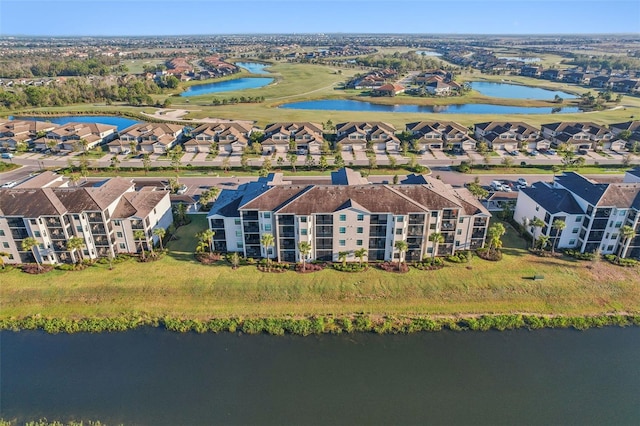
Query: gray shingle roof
553 200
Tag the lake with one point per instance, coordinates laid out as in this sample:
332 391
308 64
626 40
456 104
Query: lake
227 86
427 53
519 58
254 67
516 91
121 122
350 105
156 377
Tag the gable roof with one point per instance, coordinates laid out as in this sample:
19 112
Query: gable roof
553 200
582 187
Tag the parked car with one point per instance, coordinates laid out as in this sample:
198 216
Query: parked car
7 155
582 151
506 187
534 153
9 184
182 190
522 182
496 185
551 152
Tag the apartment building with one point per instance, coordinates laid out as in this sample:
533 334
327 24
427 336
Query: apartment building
104 216
346 215
593 213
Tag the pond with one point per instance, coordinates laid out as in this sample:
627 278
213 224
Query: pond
516 91
351 105
157 377
227 86
254 67
527 60
120 122
427 53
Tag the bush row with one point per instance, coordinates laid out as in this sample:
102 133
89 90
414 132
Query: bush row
318 324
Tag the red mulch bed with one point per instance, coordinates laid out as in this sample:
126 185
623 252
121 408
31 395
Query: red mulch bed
393 267
309 267
32 268
208 258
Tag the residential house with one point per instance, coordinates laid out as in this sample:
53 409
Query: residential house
633 127
335 218
530 71
152 138
353 136
104 216
439 135
579 135
509 136
388 90
80 136
227 137
593 213
552 74
13 133
301 136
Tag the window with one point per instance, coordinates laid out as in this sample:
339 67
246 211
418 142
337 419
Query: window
432 226
461 220
267 227
5 244
574 230
303 231
360 217
1 233
398 231
303 219
343 217
572 242
459 232
614 236
79 228
119 234
36 234
238 233
434 214
267 215
358 242
342 230
618 224
457 243
400 219
117 223
122 246
360 230
610 248
342 243
236 222
240 245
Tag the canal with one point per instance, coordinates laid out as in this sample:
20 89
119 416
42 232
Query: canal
156 377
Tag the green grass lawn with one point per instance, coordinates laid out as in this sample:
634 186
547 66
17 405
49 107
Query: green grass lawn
179 286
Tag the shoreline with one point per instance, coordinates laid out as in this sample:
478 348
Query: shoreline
317 325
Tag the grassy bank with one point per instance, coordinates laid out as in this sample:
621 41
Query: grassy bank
178 287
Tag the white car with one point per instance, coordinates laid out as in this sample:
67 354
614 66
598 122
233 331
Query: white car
522 182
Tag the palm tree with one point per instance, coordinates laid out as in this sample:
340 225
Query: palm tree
3 254
74 178
267 241
305 248
436 238
342 257
360 254
402 247
536 223
495 232
207 237
558 225
140 236
234 258
626 234
146 163
543 240
160 232
76 243
28 244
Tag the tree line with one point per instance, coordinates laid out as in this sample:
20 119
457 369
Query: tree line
72 67
400 61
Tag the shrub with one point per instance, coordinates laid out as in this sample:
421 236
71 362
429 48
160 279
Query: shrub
612 258
350 267
580 256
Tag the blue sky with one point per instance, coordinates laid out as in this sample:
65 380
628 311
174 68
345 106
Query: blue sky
174 17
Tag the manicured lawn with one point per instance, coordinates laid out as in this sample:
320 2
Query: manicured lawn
179 286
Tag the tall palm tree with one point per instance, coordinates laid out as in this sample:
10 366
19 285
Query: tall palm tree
76 243
28 244
207 237
536 223
626 234
267 241
495 233
235 260
543 240
558 225
342 257
139 235
436 238
160 232
304 248
402 247
360 254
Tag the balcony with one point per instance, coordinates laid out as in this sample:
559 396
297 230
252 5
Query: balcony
251 228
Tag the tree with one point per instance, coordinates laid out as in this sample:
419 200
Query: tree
323 163
372 162
304 248
234 258
146 163
436 238
495 234
76 243
543 240
267 241
226 163
342 257
3 254
338 161
180 213
206 236
244 161
115 163
558 225
309 161
507 162
360 254
160 232
627 233
477 190
175 155
536 223
74 178
208 195
292 158
402 247
28 244
140 236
